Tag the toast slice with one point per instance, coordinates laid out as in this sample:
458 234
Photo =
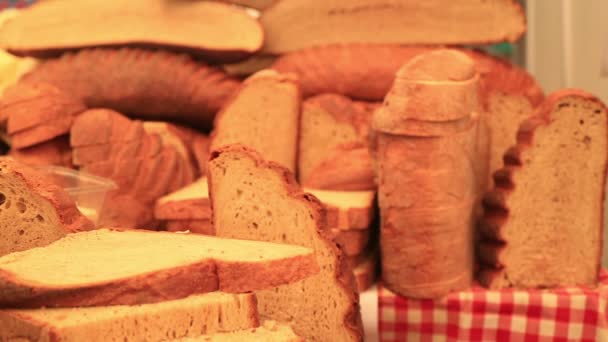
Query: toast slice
271 129
347 210
135 81
295 24
257 199
544 218
182 29
329 120
33 211
270 331
188 203
202 226
189 264
192 316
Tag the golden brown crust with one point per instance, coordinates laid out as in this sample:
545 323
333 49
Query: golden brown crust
135 81
344 276
338 69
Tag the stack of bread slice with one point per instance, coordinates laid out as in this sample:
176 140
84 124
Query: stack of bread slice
187 209
145 166
152 286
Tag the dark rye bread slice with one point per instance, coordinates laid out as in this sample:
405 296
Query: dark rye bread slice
544 218
113 267
209 313
257 199
33 211
136 82
172 25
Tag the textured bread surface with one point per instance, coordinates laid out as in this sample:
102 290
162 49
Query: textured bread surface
134 81
272 128
270 331
544 218
33 211
259 200
347 210
154 23
53 152
188 264
192 316
188 203
295 24
196 226
426 184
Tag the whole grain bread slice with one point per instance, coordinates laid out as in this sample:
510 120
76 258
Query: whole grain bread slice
196 315
257 199
112 267
544 218
269 331
33 211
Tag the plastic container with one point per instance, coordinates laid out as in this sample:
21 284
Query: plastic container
88 191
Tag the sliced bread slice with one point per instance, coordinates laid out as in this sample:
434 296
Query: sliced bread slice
295 24
188 203
365 273
270 331
33 211
544 218
172 135
53 152
347 210
256 199
111 267
192 316
272 128
104 126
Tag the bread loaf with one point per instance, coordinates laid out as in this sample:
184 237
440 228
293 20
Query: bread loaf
269 332
426 175
209 313
136 81
189 264
33 211
260 200
544 218
272 128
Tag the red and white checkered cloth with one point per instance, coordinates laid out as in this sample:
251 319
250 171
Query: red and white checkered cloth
569 314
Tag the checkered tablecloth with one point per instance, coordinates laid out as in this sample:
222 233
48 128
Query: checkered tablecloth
569 314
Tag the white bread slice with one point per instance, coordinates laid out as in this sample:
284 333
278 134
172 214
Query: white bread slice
192 316
270 331
272 128
544 218
346 209
295 24
109 267
188 203
257 199
33 211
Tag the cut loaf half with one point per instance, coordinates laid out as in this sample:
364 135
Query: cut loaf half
192 316
544 218
110 267
259 200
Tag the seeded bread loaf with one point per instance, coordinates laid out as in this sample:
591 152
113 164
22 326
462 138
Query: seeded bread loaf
33 211
427 187
260 200
270 331
135 272
272 128
544 218
192 316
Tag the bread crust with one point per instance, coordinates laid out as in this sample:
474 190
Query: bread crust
190 209
495 202
344 276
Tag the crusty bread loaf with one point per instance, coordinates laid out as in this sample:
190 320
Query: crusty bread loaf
272 128
347 210
329 120
53 152
33 211
295 24
544 218
188 203
144 267
426 175
260 200
168 25
136 81
196 315
270 331
196 226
